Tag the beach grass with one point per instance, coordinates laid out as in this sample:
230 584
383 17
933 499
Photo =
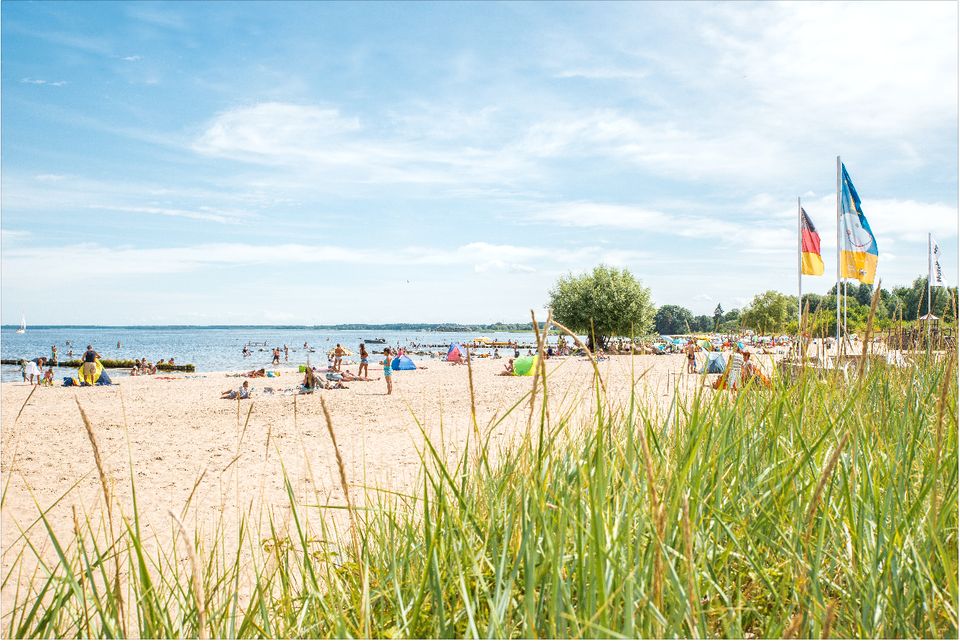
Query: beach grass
825 507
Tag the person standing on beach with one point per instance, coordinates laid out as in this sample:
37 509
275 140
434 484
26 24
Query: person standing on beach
691 351
337 357
388 370
90 358
363 370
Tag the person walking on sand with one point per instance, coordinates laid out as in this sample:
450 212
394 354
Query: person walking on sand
337 357
691 350
364 370
388 370
90 358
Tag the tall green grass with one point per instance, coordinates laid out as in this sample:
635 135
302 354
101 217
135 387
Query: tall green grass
819 509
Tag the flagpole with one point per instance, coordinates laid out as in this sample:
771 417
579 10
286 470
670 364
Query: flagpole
929 286
799 268
838 256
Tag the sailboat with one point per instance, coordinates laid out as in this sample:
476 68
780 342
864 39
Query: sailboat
23 325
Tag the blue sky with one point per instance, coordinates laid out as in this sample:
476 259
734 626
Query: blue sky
324 163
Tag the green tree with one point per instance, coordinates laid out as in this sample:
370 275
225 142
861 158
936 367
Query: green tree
673 319
702 323
717 317
769 312
606 302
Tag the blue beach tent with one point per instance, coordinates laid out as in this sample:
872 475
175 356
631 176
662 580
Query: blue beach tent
715 364
403 363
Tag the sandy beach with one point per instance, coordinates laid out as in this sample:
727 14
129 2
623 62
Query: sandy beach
182 441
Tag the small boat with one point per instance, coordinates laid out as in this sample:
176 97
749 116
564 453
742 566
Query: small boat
375 340
23 325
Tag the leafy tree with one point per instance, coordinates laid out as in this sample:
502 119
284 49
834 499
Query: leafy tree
606 302
673 319
702 323
769 312
717 317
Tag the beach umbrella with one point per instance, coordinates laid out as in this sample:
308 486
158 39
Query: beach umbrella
705 345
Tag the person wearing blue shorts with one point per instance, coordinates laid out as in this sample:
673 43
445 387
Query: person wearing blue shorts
388 370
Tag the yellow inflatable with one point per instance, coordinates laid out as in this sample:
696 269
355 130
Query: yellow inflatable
90 380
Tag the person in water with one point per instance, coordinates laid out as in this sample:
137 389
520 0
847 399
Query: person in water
388 370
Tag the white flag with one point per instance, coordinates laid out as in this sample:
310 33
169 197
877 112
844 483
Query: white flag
936 274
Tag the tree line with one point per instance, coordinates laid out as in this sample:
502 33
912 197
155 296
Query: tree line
611 302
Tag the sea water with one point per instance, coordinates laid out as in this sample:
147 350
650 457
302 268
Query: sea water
219 348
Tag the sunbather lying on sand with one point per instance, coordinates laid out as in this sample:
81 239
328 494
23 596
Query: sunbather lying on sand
243 392
256 373
347 376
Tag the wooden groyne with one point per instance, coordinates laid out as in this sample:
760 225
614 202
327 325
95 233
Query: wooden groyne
110 364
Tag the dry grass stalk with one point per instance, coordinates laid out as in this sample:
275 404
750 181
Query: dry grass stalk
869 329
580 344
824 477
691 565
793 629
198 594
543 364
657 517
828 623
343 479
26 400
105 486
941 405
473 407
536 372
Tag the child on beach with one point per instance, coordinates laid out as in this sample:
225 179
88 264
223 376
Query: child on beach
48 377
243 392
388 370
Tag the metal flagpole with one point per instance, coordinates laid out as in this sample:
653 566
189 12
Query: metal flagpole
929 286
838 255
799 266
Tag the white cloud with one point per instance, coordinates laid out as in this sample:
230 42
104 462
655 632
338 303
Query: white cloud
63 193
323 145
604 73
202 213
49 83
275 132
131 58
92 260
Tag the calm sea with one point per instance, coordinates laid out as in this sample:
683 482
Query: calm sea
210 348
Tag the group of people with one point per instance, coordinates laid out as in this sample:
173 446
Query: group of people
32 371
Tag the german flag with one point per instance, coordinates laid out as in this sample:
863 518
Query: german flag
810 261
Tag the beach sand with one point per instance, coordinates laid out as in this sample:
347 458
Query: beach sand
168 432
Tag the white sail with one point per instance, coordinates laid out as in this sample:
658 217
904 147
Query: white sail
23 325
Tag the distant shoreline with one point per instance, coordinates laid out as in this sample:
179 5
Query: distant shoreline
394 327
